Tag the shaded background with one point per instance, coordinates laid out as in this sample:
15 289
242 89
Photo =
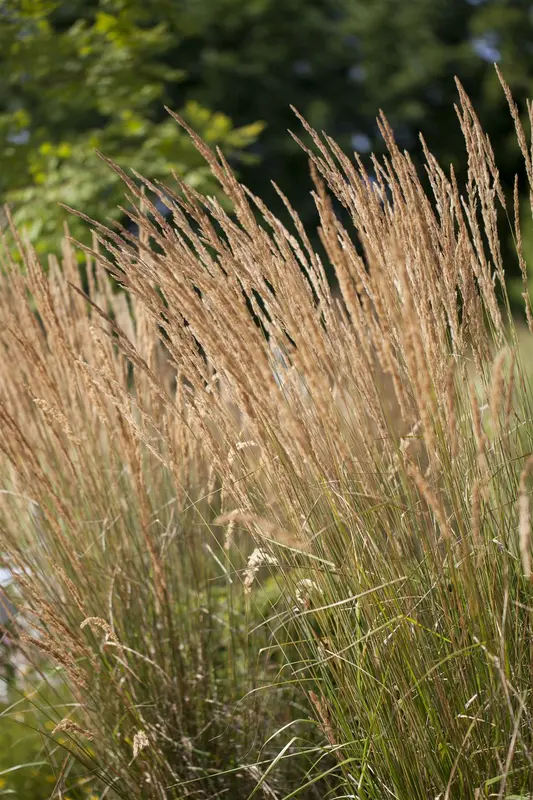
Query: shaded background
87 74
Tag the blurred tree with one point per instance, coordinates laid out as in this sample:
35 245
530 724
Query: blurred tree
96 73
410 53
84 75
340 61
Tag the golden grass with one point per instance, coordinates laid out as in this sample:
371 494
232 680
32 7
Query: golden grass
376 445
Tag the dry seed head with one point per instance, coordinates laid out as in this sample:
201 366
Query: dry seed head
408 441
524 521
259 558
524 534
98 622
55 415
59 654
72 589
322 711
304 590
68 726
228 538
140 742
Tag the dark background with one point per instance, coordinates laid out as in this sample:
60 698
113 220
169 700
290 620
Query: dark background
75 76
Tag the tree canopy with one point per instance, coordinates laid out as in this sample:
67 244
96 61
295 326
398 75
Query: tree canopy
96 74
85 77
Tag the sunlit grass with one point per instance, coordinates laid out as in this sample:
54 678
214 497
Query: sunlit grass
274 539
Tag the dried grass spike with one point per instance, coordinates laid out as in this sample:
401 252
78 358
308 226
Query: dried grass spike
524 523
259 558
99 623
140 742
68 726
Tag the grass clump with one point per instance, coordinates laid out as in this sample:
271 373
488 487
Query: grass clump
119 578
225 424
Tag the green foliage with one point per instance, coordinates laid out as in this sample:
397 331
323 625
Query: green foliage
31 762
97 73
96 80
